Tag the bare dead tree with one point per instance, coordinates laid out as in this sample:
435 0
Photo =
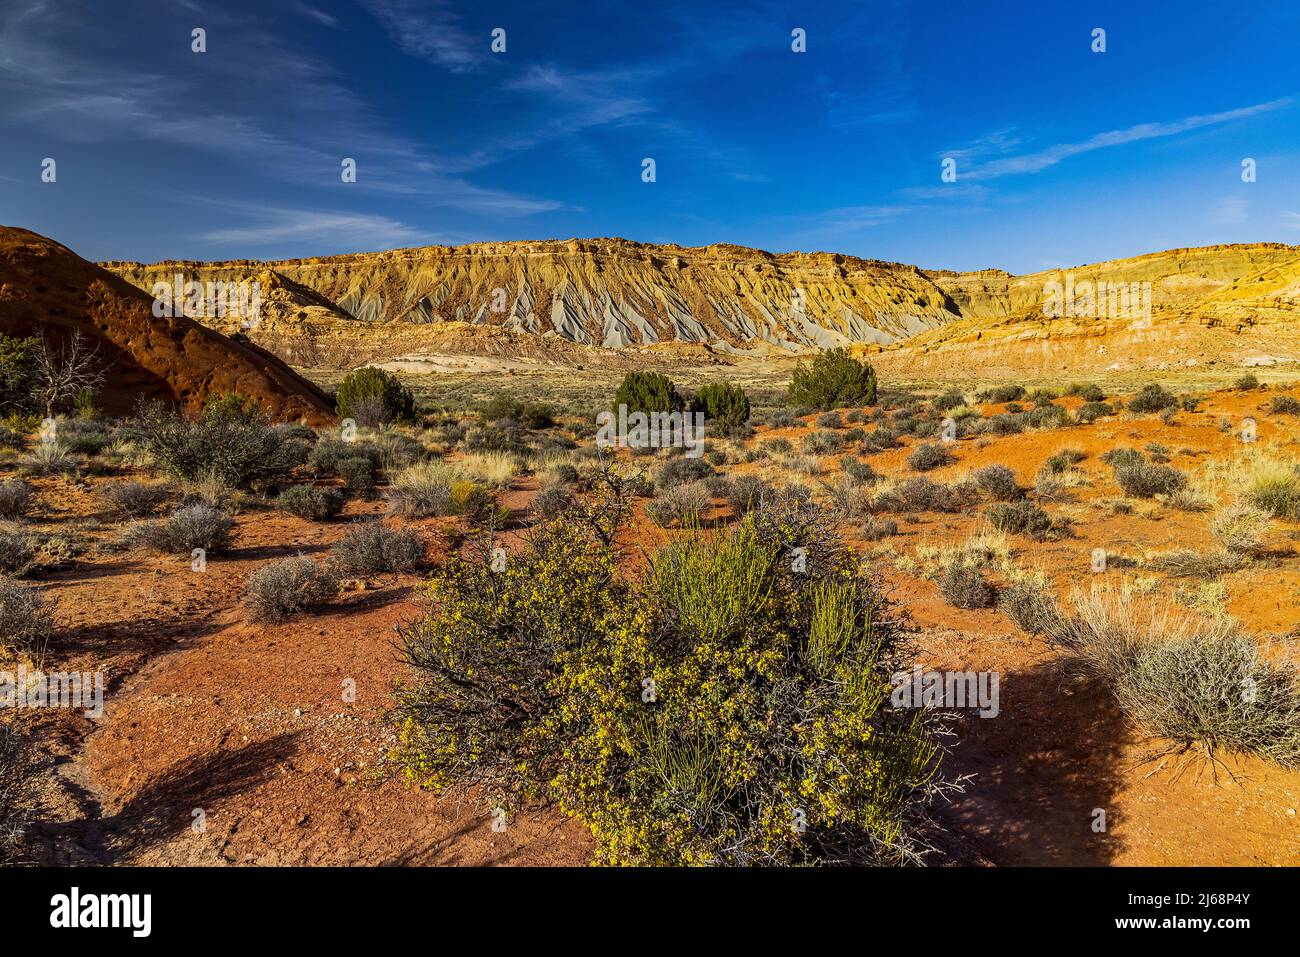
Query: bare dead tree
62 373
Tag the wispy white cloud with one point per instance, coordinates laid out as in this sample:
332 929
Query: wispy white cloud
1039 160
430 29
271 226
315 13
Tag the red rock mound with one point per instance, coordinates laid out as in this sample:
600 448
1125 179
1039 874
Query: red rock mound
48 290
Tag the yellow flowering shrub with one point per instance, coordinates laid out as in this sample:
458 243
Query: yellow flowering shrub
727 705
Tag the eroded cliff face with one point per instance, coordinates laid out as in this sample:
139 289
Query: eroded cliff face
620 302
604 293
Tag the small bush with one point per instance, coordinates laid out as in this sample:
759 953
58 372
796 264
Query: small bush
370 548
1063 460
834 380
1145 480
1003 393
280 590
1116 458
531 415
723 404
964 586
1284 405
232 442
648 392
680 503
1152 398
929 456
1274 487
951 399
747 493
779 683
999 482
372 397
358 474
17 552
26 619
823 442
135 499
1022 518
1196 682
874 528
681 470
829 420
1090 412
15 498
552 501
858 471
1246 382
1030 605
192 526
312 502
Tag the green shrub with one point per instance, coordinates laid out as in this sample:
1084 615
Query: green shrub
312 502
964 586
859 471
199 525
1117 458
999 482
1284 405
680 470
1090 412
530 415
1020 517
358 474
648 392
834 380
371 397
18 379
929 456
371 548
1152 398
1246 382
1030 605
231 442
686 715
823 442
723 404
1145 480
280 590
1003 393
135 499
679 503
1063 461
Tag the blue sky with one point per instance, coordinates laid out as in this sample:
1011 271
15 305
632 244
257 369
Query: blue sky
1064 156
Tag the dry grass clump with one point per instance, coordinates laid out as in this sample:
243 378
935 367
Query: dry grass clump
1240 528
280 590
370 547
26 619
15 498
134 499
493 469
1199 682
682 504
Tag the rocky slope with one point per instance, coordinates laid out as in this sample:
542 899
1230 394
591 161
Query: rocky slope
616 302
47 290
602 293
